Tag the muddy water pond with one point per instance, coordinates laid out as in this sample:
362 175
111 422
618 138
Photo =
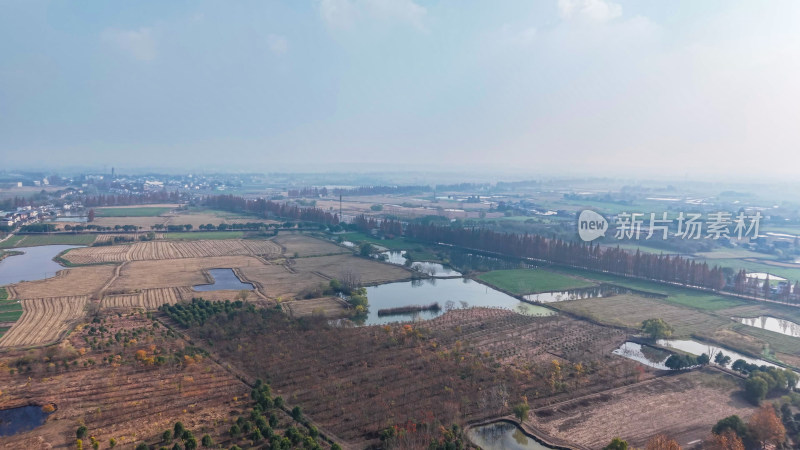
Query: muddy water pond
430 268
35 263
455 292
603 290
21 419
224 279
503 436
772 324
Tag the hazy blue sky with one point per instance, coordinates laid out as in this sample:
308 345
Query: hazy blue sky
677 86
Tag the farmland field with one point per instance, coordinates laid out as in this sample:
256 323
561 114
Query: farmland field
355 382
529 281
630 311
324 306
151 274
33 240
161 250
129 399
665 404
44 320
74 281
675 294
303 245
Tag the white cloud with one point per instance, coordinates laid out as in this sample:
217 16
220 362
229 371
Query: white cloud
591 10
140 44
277 44
345 13
337 13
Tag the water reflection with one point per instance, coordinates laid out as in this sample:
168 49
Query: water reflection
649 356
603 290
449 293
772 324
36 263
503 436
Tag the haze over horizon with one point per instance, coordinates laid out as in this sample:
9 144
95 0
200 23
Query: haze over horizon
569 86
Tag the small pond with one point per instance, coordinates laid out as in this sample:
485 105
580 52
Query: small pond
430 268
649 356
503 436
603 290
348 244
21 419
460 292
772 324
36 263
698 348
224 279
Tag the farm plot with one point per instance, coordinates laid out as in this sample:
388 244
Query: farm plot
279 281
44 320
358 381
160 250
128 399
630 311
370 272
147 299
139 275
516 338
302 245
324 306
68 282
666 404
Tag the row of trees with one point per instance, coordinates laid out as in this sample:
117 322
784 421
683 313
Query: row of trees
161 196
268 208
674 269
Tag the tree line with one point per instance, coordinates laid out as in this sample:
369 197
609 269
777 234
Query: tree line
266 208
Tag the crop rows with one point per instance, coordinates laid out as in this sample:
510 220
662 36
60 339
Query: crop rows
158 250
44 320
148 298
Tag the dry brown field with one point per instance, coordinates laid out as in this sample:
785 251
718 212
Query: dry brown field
358 381
337 266
159 250
304 246
140 275
630 310
68 282
127 400
332 307
276 280
44 320
683 406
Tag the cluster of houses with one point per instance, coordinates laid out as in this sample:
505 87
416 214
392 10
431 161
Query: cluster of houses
26 215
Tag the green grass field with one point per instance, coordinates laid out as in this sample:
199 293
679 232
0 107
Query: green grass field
391 244
204 235
675 294
10 310
529 281
143 211
33 240
12 241
789 273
